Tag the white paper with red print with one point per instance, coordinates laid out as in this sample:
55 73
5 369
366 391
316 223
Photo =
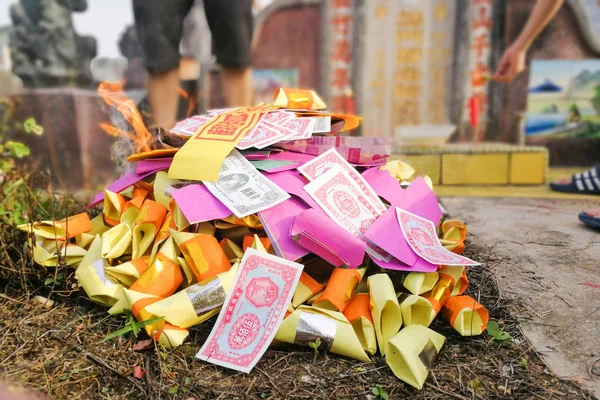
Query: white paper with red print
331 158
421 236
346 203
259 297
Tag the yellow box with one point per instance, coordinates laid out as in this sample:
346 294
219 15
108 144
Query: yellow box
528 168
475 169
425 164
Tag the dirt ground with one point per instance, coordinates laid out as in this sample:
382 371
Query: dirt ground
543 257
58 353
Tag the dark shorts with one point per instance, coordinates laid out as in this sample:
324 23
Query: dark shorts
159 25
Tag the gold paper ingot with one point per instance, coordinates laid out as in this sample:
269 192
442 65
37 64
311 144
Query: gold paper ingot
45 253
116 241
84 240
180 222
441 292
166 334
411 353
131 209
186 272
466 316
235 234
147 226
170 336
302 99
162 186
163 234
202 253
196 303
458 275
98 226
163 277
59 230
129 272
416 310
91 277
232 250
307 288
340 289
307 324
358 313
399 170
420 282
387 316
250 221
113 207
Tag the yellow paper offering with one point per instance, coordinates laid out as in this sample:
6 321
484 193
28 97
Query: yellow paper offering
358 313
196 303
340 289
202 253
416 310
146 226
399 170
116 241
466 315
71 227
303 99
457 273
411 353
201 156
420 282
93 280
46 252
387 316
307 324
129 272
113 207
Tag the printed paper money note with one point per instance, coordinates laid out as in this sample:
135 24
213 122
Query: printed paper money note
189 126
261 136
318 166
421 236
322 124
278 117
356 150
302 127
344 201
252 312
243 189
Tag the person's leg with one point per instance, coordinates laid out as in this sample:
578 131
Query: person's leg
237 85
231 25
159 24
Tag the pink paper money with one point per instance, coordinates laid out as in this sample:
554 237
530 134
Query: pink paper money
253 311
421 236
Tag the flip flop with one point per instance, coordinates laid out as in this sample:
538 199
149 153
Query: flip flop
587 182
590 221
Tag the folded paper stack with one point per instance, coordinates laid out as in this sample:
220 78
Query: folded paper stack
274 220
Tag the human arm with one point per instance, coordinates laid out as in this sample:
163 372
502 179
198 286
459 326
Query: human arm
512 62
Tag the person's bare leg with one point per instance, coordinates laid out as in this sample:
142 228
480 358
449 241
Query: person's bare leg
189 69
237 85
163 97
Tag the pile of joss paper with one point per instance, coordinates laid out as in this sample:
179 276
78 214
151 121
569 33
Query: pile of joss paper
292 231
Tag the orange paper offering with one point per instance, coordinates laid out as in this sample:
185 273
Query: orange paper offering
203 254
340 289
163 277
467 316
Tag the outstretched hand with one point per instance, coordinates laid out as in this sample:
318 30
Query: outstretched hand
511 64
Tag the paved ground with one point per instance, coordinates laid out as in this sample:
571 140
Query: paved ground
542 256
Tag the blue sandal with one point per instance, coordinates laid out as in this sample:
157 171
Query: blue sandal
587 182
593 222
